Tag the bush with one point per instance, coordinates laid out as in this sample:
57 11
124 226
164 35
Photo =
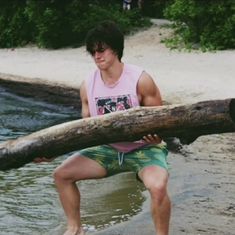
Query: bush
50 23
154 8
82 22
15 28
208 24
56 23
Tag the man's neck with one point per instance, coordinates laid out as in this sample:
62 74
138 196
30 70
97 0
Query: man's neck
113 73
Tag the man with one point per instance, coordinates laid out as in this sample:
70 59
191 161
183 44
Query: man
112 87
127 4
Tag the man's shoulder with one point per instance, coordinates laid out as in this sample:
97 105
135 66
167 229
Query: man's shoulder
92 73
91 76
133 70
133 67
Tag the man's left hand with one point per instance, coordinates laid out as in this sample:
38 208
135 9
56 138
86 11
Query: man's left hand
152 139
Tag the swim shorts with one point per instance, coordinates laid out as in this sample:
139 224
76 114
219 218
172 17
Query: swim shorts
116 162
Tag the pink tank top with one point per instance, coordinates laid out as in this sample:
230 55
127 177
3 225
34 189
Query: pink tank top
122 95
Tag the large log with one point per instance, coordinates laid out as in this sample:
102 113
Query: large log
185 122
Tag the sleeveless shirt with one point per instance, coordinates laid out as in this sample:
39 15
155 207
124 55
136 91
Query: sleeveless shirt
122 95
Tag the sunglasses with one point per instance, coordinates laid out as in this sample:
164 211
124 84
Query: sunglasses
99 49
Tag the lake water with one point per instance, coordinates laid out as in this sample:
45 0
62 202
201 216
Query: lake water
29 202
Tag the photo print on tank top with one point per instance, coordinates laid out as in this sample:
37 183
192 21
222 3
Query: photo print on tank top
112 104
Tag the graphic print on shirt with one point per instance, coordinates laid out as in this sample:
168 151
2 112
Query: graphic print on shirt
112 104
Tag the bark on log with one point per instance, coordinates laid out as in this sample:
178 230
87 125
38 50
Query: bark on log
185 122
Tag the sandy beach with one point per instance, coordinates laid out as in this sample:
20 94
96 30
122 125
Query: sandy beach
181 76
202 175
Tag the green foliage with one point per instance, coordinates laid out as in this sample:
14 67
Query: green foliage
154 8
56 23
50 22
15 29
209 24
82 22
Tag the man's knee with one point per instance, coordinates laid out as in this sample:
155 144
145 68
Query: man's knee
155 180
61 174
58 174
158 190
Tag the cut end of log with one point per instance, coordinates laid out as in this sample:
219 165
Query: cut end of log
232 109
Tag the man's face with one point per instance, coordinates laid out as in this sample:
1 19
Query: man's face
103 56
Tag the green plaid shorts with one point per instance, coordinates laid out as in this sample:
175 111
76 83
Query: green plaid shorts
115 162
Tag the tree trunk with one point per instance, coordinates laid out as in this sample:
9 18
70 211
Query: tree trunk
185 122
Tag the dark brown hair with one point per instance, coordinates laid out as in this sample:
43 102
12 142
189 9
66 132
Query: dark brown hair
105 34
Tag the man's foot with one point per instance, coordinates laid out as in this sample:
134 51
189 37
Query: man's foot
74 232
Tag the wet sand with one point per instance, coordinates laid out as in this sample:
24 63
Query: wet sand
202 175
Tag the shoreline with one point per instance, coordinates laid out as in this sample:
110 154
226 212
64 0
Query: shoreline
181 76
202 177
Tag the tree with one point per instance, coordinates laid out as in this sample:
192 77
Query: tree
206 24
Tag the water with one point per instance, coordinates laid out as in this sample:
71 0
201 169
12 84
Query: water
29 202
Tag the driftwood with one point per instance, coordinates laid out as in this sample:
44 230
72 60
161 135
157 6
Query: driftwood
186 122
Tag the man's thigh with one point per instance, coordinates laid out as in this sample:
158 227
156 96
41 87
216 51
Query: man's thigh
106 156
153 155
79 167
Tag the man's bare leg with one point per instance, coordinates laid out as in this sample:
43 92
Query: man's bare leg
74 169
161 214
155 179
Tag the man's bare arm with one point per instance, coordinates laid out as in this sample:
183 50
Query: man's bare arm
149 95
148 92
84 100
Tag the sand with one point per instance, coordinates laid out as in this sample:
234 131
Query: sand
202 175
181 76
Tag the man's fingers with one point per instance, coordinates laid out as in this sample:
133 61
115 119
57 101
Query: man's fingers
152 138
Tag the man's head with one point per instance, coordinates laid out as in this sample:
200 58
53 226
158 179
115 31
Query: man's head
105 35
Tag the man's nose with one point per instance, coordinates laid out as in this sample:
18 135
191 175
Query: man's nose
97 54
